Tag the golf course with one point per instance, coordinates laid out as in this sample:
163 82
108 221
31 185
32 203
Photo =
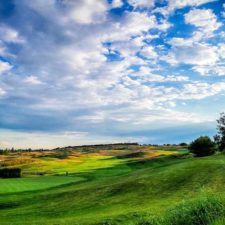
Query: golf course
130 185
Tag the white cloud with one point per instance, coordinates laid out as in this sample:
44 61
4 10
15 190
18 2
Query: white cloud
221 50
210 70
86 11
33 80
194 54
2 92
148 52
4 67
204 19
142 3
117 3
8 34
133 24
177 4
206 59
146 75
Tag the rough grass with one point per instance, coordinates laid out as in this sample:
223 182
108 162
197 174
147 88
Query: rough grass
220 221
201 211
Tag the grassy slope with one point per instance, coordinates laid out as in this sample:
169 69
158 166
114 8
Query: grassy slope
130 191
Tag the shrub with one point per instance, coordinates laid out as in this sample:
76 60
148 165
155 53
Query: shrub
202 146
10 172
183 144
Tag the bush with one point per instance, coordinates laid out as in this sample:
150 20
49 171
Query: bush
183 144
202 146
10 172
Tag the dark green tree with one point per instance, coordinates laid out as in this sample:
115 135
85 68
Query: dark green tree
220 137
202 146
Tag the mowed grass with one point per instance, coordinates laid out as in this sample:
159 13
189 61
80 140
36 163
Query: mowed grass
16 185
166 190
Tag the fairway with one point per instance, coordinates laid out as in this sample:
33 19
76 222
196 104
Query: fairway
16 185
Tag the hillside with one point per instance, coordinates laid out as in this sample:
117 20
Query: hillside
148 186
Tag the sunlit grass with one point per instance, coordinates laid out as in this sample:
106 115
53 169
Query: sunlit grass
15 185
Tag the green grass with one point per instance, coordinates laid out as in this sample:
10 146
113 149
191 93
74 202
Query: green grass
164 190
16 185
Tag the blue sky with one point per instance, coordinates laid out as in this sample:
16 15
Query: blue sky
103 71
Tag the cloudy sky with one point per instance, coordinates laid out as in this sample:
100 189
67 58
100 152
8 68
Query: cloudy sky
99 71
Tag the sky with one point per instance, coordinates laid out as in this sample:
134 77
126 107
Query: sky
76 72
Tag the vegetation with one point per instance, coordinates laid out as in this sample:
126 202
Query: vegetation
35 183
128 186
220 137
10 172
202 146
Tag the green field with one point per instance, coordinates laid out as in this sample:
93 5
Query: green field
157 187
16 185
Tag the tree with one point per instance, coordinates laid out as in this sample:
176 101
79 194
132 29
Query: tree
220 137
202 146
183 144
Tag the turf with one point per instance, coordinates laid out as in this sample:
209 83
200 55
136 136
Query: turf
16 185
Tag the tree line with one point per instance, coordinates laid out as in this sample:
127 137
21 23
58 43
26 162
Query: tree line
204 146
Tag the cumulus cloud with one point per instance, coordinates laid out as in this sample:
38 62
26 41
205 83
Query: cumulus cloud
194 54
210 70
134 23
177 4
4 67
148 52
204 19
142 3
205 58
144 74
117 3
86 11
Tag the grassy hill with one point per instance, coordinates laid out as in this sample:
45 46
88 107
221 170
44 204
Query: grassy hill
131 187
